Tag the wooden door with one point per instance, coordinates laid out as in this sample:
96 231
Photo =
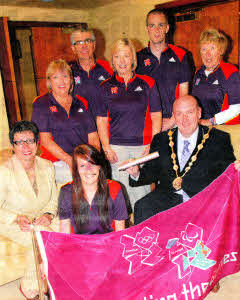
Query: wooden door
48 44
8 75
223 16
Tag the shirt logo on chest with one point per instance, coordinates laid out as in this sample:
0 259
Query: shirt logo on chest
80 110
138 89
114 90
77 79
216 82
172 59
197 81
147 62
101 78
53 109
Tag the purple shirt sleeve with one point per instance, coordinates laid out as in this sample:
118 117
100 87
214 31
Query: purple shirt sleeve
102 108
185 71
40 114
91 123
119 207
233 89
154 99
65 204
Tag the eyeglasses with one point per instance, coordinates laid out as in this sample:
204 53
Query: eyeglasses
82 42
22 142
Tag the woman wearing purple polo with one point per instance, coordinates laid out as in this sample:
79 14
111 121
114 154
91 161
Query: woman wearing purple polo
63 120
91 202
217 83
131 107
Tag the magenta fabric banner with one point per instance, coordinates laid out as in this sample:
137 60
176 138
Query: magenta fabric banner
179 254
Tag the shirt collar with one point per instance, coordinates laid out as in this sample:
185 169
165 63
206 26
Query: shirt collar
120 79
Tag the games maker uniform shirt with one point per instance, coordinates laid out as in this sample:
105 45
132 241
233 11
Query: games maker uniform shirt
86 83
172 70
128 108
67 131
116 204
217 91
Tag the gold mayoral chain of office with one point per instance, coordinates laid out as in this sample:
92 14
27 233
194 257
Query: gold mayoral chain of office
177 182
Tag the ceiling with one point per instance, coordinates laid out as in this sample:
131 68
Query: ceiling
66 4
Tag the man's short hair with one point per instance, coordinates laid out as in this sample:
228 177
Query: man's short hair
212 35
118 45
82 28
21 126
157 11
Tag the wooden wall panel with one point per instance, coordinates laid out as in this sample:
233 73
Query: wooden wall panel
48 44
8 75
221 16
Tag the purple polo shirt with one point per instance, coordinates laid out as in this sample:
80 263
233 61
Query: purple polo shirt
117 209
128 108
67 131
172 70
217 91
86 83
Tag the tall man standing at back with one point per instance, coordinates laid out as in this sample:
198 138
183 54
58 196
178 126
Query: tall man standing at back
88 71
166 63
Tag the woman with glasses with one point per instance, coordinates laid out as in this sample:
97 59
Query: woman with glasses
28 197
63 120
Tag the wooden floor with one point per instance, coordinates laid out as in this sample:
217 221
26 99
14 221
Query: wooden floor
229 290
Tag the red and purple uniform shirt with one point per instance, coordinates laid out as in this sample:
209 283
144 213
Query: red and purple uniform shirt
68 131
217 91
128 108
172 70
116 203
86 84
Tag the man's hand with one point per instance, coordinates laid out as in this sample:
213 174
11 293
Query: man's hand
111 155
24 223
44 220
134 171
168 123
237 165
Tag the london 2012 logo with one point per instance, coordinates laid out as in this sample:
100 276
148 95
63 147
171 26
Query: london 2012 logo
186 251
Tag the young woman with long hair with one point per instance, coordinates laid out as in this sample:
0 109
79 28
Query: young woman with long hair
90 203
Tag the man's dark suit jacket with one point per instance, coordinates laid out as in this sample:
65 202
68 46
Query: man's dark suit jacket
212 160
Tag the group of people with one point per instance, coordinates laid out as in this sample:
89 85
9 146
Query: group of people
95 113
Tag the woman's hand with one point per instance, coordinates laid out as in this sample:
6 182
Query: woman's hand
206 122
168 123
24 223
111 155
146 150
44 220
237 165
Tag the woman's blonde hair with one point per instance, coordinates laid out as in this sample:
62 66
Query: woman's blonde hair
118 45
213 35
58 65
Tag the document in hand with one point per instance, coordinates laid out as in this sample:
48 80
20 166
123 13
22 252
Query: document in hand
138 161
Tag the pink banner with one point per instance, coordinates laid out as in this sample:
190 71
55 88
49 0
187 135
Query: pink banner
179 254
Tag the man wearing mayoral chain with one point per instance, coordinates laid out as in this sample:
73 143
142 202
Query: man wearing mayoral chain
191 156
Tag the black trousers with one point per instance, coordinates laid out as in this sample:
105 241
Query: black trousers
153 203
